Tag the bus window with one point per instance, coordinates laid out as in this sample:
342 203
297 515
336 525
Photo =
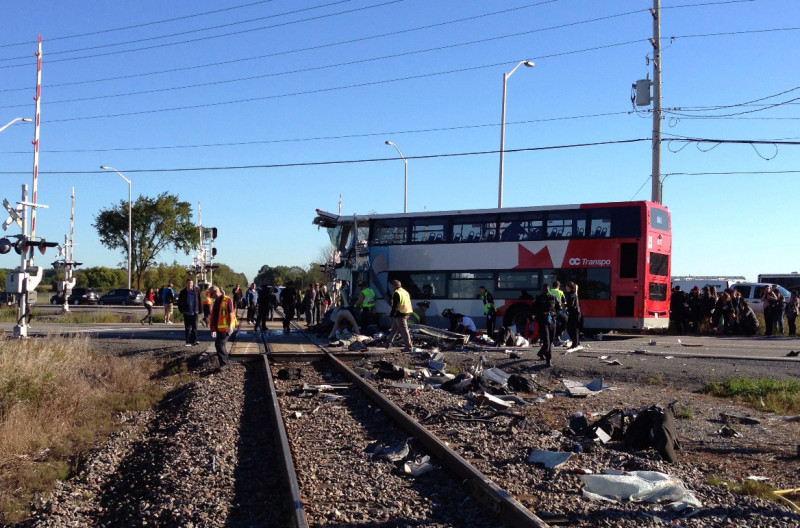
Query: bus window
529 226
516 281
658 292
474 230
428 232
388 232
659 219
659 264
600 227
465 285
628 260
566 225
421 285
594 284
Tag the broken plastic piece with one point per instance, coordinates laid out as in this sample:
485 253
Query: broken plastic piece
419 466
548 459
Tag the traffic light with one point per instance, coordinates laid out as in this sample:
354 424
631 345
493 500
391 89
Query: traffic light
213 252
213 233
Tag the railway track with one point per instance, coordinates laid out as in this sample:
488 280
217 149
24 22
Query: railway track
359 459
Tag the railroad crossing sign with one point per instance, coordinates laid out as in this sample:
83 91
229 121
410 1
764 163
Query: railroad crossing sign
13 215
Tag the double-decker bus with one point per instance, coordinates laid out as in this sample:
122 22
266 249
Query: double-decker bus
617 253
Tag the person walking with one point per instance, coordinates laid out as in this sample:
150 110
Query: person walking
288 304
573 317
488 309
168 300
149 301
401 309
308 305
768 301
264 304
189 306
222 324
792 310
205 298
366 304
251 298
544 310
780 308
237 295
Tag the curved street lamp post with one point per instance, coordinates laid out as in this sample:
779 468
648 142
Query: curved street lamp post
528 64
130 217
405 180
23 119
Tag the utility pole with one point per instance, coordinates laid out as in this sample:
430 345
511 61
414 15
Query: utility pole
656 42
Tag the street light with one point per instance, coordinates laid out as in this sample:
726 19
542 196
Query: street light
529 64
130 223
23 119
405 180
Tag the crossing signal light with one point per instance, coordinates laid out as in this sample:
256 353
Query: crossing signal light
5 246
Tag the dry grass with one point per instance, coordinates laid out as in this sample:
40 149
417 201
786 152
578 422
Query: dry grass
57 398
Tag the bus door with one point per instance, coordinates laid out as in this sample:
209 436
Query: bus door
627 285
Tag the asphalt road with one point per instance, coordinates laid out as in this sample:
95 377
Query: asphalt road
683 361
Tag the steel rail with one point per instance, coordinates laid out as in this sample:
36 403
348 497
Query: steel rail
299 519
481 487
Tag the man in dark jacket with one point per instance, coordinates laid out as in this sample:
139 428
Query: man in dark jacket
544 310
189 306
288 303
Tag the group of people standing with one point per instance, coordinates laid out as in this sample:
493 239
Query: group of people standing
727 312
549 308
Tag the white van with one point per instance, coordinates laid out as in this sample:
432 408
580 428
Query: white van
688 282
752 291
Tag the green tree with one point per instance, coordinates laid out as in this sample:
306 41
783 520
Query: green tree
158 223
101 278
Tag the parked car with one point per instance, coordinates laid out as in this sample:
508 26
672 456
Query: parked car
752 291
122 296
78 296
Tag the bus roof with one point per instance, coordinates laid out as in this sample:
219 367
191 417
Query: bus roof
325 219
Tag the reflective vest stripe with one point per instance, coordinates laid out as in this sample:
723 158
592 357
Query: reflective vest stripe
404 306
415 316
369 298
222 318
487 306
207 298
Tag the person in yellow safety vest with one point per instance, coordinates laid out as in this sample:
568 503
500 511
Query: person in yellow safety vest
418 315
401 310
366 303
488 310
222 323
205 298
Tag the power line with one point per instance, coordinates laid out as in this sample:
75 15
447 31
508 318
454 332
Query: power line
350 162
329 138
138 26
313 48
200 39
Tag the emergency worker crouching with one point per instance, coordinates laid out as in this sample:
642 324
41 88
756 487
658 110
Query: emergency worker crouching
418 315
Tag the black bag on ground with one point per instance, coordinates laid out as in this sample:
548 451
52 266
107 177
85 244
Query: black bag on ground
612 423
654 427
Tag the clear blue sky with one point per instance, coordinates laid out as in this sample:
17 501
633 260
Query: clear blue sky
255 96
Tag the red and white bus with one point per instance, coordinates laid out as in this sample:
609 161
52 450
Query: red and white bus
618 254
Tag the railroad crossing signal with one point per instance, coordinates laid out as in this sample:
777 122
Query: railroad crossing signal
13 215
